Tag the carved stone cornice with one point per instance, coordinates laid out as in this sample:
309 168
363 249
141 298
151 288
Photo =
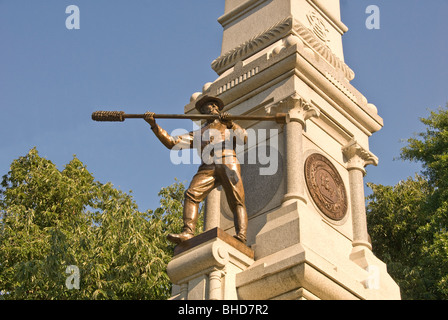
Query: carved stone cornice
278 31
252 46
314 42
293 57
358 157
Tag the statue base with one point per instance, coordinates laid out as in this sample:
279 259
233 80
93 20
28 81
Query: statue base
205 267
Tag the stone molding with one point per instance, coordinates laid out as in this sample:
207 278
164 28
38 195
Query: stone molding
273 67
238 80
248 48
278 31
314 42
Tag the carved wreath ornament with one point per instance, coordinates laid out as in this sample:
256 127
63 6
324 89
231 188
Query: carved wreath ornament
318 26
326 186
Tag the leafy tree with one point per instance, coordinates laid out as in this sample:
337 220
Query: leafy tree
50 219
408 222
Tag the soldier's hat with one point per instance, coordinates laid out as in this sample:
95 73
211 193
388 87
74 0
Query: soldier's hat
205 99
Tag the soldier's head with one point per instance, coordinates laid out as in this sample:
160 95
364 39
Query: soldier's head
209 105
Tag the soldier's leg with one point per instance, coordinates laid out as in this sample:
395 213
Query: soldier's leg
230 177
240 220
200 186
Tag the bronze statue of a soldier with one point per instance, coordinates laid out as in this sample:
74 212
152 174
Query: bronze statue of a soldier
224 169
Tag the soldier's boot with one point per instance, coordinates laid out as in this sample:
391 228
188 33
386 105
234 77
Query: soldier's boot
190 217
240 220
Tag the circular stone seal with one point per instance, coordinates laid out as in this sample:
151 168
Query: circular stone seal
326 186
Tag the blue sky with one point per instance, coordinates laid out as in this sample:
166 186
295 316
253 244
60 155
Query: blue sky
140 55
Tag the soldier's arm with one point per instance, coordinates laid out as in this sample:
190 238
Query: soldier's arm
183 141
239 133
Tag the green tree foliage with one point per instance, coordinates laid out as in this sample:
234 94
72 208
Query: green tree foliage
408 222
50 219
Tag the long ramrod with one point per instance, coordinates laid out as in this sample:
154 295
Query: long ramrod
121 116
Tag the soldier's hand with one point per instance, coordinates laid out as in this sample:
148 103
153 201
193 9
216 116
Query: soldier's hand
224 118
149 117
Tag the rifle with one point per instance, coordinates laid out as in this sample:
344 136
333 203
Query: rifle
121 116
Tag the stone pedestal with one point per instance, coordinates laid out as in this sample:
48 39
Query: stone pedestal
204 267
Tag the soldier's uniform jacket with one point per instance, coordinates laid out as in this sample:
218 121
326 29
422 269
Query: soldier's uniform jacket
216 144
